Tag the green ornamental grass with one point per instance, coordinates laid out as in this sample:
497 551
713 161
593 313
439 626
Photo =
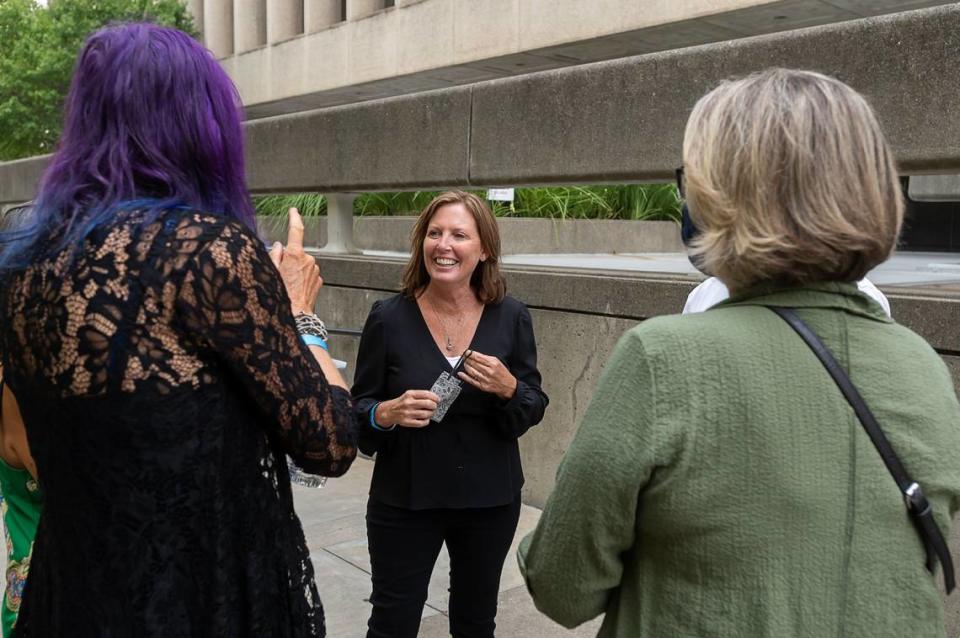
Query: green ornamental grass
624 201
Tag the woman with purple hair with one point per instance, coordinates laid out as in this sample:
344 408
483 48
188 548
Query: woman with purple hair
163 366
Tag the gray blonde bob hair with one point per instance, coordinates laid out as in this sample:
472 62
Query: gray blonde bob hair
790 181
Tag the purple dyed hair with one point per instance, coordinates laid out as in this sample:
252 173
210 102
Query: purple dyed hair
150 117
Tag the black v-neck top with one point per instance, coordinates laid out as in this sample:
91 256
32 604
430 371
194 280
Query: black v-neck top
471 458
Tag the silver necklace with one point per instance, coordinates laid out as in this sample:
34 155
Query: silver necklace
443 325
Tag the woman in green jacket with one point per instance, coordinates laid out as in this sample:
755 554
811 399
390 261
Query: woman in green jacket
720 484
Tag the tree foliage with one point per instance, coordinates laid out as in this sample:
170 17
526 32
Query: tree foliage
38 47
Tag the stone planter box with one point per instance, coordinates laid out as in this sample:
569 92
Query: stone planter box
518 235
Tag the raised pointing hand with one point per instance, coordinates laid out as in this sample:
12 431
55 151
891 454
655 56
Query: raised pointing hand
299 271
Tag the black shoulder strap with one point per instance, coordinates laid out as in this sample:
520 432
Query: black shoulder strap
917 505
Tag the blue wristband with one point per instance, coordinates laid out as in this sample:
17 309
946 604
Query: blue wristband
373 419
313 340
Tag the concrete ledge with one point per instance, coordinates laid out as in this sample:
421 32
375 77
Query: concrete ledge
934 188
616 296
612 121
518 235
402 143
634 296
933 318
624 120
19 179
953 364
608 236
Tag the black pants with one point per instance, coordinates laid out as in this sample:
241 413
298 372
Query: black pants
404 545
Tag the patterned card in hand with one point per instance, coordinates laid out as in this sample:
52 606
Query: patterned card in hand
448 388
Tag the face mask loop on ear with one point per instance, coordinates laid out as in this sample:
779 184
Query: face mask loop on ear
689 232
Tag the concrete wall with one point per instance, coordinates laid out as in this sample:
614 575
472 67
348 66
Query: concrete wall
518 236
19 179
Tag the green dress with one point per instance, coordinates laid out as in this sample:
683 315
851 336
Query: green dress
20 505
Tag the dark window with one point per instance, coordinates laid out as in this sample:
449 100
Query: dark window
930 226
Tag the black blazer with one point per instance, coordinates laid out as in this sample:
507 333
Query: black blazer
471 458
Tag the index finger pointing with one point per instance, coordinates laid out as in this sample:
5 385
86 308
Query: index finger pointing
294 230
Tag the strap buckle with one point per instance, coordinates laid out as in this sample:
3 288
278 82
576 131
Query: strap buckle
916 500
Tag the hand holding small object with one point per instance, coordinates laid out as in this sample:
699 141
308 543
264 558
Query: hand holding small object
412 409
299 271
488 374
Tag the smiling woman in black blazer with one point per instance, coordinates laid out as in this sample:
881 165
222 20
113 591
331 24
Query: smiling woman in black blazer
456 479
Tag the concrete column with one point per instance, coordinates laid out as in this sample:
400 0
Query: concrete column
360 8
218 26
320 14
195 7
340 223
249 24
284 19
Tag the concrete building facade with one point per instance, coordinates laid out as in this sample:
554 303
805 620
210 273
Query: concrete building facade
291 55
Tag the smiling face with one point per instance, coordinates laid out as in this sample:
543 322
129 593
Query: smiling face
452 247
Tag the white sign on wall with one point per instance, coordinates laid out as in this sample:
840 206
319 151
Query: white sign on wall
500 195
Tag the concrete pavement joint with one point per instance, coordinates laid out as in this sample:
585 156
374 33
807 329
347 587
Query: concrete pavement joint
346 560
361 569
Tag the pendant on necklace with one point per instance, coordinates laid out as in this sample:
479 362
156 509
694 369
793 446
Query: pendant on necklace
449 345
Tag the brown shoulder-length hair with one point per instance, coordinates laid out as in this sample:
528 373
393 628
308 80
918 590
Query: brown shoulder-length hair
487 282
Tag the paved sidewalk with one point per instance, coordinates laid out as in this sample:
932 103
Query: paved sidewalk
333 520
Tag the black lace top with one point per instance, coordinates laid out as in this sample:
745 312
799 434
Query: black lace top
161 380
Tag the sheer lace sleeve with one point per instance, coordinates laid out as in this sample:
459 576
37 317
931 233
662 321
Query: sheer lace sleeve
233 301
